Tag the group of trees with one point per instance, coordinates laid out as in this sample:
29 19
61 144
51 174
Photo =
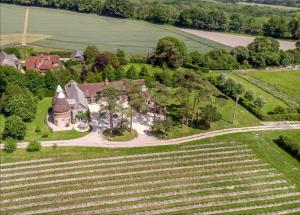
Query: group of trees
115 106
264 51
202 15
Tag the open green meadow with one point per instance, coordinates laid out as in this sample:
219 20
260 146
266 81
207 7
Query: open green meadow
219 175
287 82
271 101
72 30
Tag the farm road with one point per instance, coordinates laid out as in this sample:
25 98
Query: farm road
96 140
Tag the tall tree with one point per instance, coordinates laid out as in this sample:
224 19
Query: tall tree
239 90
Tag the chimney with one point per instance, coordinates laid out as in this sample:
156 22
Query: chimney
106 81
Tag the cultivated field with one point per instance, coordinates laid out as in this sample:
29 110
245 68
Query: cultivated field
233 40
72 30
287 82
201 178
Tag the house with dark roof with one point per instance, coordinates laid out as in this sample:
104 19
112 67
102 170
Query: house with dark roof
78 55
42 63
9 60
75 98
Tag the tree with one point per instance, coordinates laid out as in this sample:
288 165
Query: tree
34 146
249 95
50 80
118 8
160 128
277 26
220 59
111 98
101 62
169 51
14 128
260 102
160 97
136 99
121 57
208 115
109 73
239 90
112 59
10 145
132 73
90 54
264 51
35 82
19 101
198 58
240 53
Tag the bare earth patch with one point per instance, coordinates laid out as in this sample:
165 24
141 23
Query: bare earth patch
17 38
233 40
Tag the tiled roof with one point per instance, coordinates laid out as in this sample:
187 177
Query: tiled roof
42 62
74 93
8 60
61 104
91 90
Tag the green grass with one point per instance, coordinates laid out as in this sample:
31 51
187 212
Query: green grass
2 122
40 122
180 173
286 81
68 30
271 101
125 136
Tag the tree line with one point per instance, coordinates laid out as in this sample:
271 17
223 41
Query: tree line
194 14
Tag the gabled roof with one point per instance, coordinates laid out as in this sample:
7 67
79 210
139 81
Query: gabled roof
75 93
91 90
8 60
42 62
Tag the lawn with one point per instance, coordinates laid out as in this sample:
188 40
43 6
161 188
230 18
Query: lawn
245 172
125 136
285 81
225 108
68 30
2 122
271 101
32 132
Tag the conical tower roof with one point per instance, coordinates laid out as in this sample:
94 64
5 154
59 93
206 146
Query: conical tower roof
61 104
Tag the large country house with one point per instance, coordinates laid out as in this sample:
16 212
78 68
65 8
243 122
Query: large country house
67 104
42 63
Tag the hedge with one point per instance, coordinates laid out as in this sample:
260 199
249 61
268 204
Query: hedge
289 145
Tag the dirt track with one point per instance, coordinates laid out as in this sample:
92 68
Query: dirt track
233 40
96 140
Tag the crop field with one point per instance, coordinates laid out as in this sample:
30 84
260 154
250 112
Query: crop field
233 40
199 178
70 30
284 81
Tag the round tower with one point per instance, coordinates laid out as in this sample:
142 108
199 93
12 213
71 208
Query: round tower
61 110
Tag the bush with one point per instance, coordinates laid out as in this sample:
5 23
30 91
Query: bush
34 146
289 145
37 129
14 128
278 110
10 145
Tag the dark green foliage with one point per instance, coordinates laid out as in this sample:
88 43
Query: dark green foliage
132 73
289 145
249 95
169 51
220 59
118 8
19 101
208 115
34 146
160 128
90 53
121 57
278 110
50 80
14 128
10 145
71 63
109 73
35 81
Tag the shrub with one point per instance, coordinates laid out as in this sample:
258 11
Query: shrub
278 110
289 145
14 128
249 95
260 102
10 145
34 146
38 129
